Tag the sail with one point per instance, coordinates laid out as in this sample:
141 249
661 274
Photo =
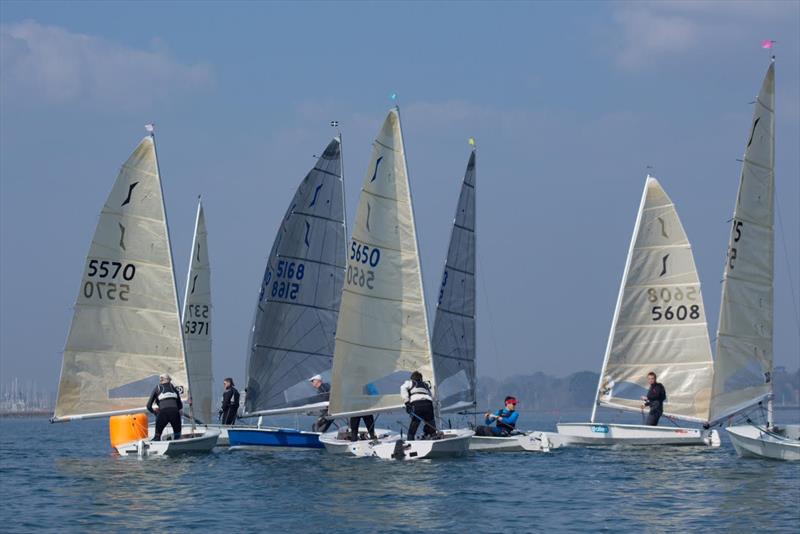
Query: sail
125 329
197 321
453 340
660 322
382 333
295 321
743 366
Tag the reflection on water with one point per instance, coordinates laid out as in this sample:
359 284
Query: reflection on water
66 477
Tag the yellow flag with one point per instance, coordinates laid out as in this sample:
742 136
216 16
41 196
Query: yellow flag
472 141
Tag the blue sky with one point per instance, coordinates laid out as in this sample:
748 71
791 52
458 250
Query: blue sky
569 103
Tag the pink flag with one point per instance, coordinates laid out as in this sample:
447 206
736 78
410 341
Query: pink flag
767 43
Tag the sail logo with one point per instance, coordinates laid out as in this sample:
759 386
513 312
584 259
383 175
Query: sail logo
121 236
753 131
664 265
308 229
128 198
663 227
600 429
316 192
375 173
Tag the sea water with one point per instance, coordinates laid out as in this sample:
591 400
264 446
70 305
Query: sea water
64 477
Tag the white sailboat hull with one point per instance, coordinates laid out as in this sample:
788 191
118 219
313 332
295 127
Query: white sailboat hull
750 441
454 443
335 445
526 442
614 434
222 440
200 442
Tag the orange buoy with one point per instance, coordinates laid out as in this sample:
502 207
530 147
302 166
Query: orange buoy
128 428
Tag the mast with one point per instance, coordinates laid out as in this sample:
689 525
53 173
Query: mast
174 280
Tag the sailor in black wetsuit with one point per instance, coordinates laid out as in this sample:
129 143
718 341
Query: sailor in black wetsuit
418 398
656 396
168 407
230 403
323 394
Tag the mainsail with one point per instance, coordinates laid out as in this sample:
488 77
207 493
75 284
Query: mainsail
382 333
197 321
454 327
659 323
743 366
126 328
295 320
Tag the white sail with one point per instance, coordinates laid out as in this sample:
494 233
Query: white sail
382 332
660 323
126 328
453 339
743 366
197 321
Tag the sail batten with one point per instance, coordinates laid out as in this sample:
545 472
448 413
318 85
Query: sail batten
382 332
125 329
744 359
295 318
454 330
659 322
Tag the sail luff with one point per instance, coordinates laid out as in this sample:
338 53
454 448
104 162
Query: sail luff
196 320
617 306
454 328
744 359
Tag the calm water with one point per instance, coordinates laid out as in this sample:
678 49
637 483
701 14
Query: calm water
65 477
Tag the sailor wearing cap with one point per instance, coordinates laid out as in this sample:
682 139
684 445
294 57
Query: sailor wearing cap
167 408
323 394
505 420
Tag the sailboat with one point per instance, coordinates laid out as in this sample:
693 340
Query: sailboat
126 329
743 375
382 332
293 331
454 328
659 325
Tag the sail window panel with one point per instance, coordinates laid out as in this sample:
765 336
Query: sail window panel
755 200
279 378
359 367
742 376
456 390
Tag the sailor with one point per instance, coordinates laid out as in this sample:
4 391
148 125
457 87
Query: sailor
505 420
230 403
656 396
323 394
418 399
168 406
369 422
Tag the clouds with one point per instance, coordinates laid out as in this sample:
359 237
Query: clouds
49 64
652 31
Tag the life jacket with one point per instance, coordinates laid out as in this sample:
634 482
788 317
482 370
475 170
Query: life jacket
419 389
167 395
502 424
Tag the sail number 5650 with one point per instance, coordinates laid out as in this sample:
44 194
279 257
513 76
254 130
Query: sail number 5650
365 254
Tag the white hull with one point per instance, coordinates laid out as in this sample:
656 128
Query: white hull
614 434
199 443
335 445
783 444
222 440
453 443
527 442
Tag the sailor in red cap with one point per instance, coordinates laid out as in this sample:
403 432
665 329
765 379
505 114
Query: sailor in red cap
505 420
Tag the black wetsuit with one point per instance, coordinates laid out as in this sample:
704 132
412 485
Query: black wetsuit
323 423
230 406
369 421
656 396
168 399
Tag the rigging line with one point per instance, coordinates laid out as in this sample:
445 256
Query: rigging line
788 265
488 310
